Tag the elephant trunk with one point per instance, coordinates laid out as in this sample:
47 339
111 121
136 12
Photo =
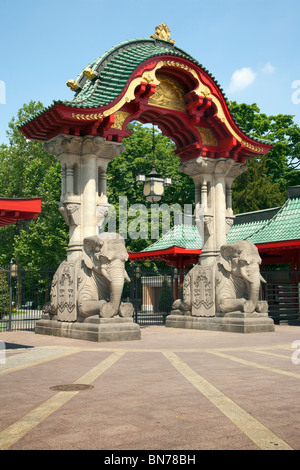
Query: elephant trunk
251 274
116 275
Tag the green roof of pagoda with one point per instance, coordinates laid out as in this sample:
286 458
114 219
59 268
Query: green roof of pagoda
183 236
115 67
285 225
265 226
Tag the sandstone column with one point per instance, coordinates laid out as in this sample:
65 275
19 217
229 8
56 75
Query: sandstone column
82 159
215 177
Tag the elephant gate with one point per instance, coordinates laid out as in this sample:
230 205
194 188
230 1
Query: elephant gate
153 81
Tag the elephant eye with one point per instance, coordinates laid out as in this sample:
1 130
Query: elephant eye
243 262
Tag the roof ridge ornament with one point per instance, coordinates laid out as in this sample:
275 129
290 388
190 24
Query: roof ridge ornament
162 32
73 85
89 73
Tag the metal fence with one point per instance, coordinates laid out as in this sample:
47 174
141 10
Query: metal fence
282 292
153 292
23 293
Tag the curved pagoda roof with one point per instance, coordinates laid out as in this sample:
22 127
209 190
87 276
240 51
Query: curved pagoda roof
181 245
117 88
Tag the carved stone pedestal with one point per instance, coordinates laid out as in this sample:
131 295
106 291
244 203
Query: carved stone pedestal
235 322
91 329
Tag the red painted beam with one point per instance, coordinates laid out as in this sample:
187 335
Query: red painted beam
12 210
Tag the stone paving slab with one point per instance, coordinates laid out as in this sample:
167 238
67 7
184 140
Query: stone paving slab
173 390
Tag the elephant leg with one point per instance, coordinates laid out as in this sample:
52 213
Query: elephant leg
126 309
107 310
262 306
231 305
249 306
179 304
88 308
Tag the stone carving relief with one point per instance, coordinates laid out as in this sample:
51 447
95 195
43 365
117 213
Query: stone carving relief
63 293
198 293
94 284
168 94
238 279
70 212
232 285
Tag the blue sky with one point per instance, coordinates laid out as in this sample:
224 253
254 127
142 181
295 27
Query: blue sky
251 47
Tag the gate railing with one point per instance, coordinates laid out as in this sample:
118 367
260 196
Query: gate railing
282 292
152 293
23 293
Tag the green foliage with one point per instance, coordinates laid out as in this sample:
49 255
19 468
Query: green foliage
166 297
26 170
267 178
4 294
137 158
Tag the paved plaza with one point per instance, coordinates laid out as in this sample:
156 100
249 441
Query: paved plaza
174 389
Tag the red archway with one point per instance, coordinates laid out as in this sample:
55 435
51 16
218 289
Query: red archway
168 88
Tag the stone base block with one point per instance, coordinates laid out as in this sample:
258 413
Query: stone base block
235 322
91 329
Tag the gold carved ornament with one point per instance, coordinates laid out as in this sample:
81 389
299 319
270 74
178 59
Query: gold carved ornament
207 136
168 94
120 117
73 85
162 32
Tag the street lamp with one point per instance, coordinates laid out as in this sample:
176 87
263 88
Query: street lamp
154 184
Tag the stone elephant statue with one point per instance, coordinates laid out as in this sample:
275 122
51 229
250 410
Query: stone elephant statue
238 279
101 277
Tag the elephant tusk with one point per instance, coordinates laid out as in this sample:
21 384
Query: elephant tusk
126 275
245 275
262 279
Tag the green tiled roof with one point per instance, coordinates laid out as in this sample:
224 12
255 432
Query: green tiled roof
114 69
273 225
242 231
285 225
183 236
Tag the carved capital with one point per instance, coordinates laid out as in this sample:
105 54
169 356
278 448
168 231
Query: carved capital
83 146
64 144
70 212
101 148
201 166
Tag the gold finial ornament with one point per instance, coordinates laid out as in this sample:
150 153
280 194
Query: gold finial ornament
89 73
73 85
162 32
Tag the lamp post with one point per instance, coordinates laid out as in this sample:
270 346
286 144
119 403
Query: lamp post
154 183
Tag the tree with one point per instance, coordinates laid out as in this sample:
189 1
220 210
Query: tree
26 170
265 183
123 169
166 298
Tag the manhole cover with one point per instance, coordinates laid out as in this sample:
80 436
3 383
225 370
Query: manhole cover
71 387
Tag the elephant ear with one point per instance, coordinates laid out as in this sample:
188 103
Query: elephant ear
226 254
89 246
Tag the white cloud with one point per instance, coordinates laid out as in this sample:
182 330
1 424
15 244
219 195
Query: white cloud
241 79
268 68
